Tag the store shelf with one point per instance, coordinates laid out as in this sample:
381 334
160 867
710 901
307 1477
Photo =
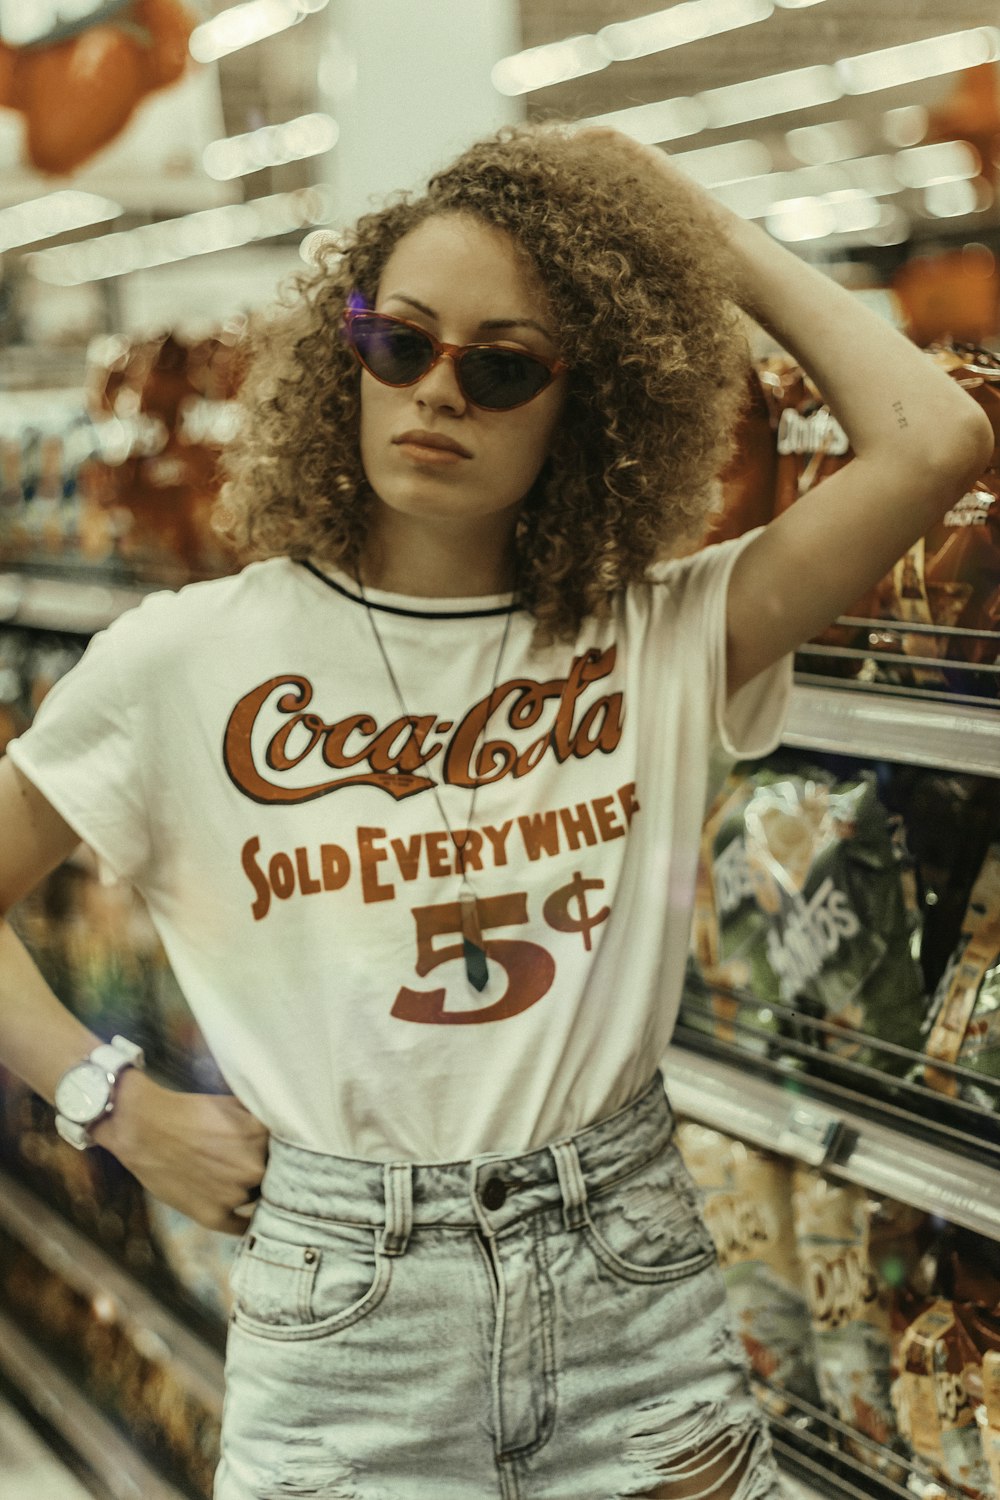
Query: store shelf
788 1118
812 1445
67 604
88 1270
103 1450
884 726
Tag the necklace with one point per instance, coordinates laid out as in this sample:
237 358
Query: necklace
473 948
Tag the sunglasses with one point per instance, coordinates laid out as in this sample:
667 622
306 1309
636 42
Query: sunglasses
399 353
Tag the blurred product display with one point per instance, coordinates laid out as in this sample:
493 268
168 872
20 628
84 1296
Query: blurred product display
836 1066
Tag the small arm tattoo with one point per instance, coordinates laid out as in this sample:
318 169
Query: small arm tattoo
901 421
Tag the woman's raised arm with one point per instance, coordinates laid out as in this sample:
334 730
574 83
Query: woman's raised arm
919 442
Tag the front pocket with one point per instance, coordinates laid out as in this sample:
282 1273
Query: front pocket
650 1228
282 1290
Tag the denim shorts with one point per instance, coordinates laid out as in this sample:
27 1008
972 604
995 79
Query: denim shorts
545 1326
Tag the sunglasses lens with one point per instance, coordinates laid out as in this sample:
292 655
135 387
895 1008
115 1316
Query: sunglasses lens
501 378
399 354
393 352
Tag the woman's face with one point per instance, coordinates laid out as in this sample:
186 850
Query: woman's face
463 281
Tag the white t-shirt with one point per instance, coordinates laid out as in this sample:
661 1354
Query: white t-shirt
237 750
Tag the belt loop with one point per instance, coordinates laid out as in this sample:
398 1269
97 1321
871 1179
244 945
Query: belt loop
571 1183
398 1179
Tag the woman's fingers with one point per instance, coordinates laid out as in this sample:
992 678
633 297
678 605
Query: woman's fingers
203 1154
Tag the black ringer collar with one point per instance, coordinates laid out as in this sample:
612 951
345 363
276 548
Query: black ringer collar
413 614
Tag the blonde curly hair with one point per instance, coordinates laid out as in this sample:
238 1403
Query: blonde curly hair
643 300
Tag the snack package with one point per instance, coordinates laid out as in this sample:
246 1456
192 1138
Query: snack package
807 907
857 1253
950 821
951 577
729 928
963 1024
165 410
988 1416
940 1390
747 1206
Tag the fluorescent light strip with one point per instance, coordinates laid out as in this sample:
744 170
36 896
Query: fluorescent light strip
714 166
872 176
271 146
892 66
53 213
801 88
178 239
556 62
575 56
668 120
242 25
691 21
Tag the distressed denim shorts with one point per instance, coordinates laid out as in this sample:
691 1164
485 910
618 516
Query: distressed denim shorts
546 1326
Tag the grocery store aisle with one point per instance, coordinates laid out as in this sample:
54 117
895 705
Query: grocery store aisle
28 1470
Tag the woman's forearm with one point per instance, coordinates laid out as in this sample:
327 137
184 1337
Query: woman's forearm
39 1037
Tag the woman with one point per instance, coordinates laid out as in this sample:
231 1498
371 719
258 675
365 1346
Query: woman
415 800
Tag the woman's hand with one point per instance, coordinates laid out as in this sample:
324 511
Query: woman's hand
201 1153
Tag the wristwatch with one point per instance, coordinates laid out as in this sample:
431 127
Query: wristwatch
86 1091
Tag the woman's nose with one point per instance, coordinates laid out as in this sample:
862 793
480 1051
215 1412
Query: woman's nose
439 388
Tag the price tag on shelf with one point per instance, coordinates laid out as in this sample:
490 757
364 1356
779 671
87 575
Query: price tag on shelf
809 1133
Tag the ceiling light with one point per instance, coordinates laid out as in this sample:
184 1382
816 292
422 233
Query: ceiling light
200 233
844 212
270 146
242 25
801 88
716 165
905 126
945 161
21 25
837 140
949 200
668 120
777 94
688 22
892 66
53 213
541 67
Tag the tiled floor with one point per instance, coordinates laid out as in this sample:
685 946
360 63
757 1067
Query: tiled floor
28 1470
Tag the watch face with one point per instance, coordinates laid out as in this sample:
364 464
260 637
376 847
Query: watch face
82 1094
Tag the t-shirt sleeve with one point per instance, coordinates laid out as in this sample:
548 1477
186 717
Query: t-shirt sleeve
82 754
748 724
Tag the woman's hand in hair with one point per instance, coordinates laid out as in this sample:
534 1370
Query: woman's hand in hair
201 1153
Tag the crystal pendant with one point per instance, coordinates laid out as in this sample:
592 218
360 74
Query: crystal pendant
472 940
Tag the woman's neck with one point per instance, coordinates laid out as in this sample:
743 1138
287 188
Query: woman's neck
451 563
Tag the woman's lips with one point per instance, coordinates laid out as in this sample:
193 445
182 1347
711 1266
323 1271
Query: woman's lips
423 453
430 448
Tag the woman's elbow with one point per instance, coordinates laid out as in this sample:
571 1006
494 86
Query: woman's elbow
970 445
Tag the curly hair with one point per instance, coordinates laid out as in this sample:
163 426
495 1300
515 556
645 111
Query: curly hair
643 297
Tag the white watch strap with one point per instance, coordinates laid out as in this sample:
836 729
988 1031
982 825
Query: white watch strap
76 1135
116 1055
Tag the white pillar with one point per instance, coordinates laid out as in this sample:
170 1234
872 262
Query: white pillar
408 82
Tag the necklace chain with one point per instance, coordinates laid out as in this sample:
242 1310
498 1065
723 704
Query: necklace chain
475 953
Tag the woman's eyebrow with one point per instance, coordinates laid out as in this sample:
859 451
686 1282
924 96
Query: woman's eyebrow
489 324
